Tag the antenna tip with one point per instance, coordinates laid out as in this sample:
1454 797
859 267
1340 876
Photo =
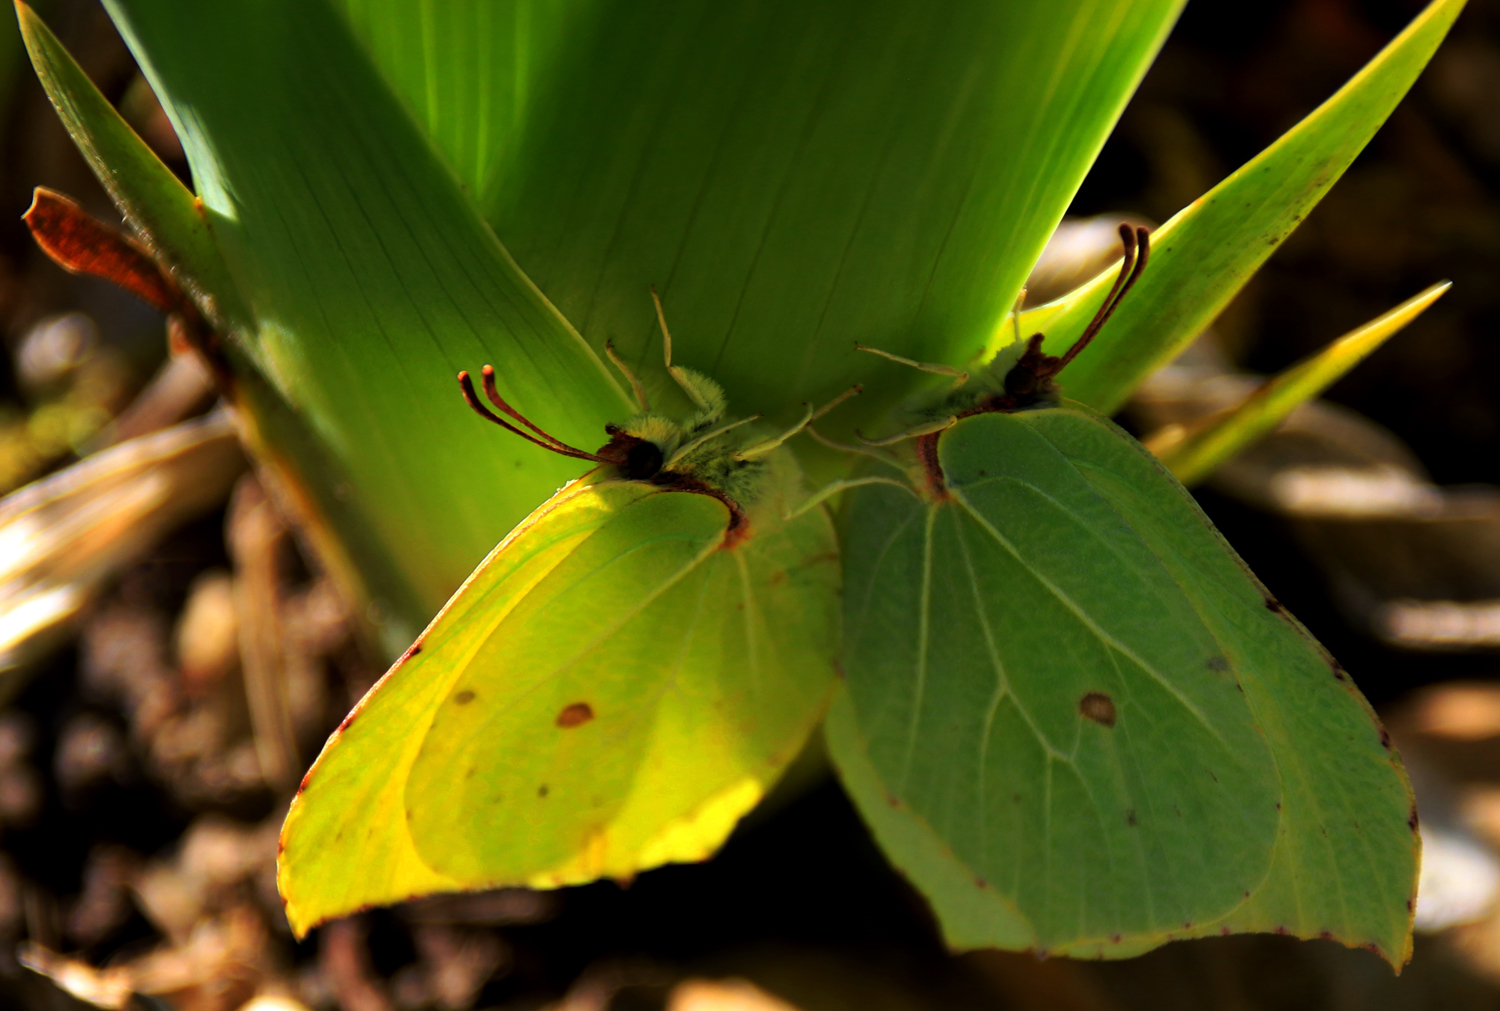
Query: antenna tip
487 371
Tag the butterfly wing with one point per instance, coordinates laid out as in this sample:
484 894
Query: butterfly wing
602 696
1134 729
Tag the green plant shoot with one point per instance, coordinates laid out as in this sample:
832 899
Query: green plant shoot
616 684
1075 719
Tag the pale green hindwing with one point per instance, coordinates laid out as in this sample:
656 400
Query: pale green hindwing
1079 724
612 689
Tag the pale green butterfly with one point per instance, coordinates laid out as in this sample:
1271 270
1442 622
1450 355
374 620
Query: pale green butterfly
1074 718
612 689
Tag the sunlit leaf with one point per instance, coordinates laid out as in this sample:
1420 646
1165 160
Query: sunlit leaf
1206 253
1193 453
792 176
372 280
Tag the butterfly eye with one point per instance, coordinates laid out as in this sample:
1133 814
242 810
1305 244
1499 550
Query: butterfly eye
643 461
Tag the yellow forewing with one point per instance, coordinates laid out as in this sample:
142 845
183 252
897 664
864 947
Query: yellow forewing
610 691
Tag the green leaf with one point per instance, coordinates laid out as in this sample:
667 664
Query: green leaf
1195 452
622 679
154 202
792 176
372 280
1208 250
1078 723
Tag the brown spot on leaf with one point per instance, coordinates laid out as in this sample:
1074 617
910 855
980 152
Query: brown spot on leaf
1326 935
1115 938
1385 739
575 715
1411 821
778 577
1217 663
463 698
1098 707
1281 930
1274 605
1225 931
981 883
1130 817
542 791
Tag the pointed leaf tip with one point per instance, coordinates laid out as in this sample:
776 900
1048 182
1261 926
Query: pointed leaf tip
1210 249
165 214
1195 452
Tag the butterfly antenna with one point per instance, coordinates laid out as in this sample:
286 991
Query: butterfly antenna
1137 243
471 398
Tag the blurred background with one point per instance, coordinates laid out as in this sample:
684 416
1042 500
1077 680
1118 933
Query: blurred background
170 659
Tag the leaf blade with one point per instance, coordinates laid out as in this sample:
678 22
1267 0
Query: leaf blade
1193 454
793 177
152 199
1209 249
372 280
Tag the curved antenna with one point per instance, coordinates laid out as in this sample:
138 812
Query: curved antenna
487 376
1131 265
561 448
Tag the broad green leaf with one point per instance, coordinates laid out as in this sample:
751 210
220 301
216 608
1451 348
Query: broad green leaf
151 198
622 679
1078 723
1195 452
792 176
372 280
1206 253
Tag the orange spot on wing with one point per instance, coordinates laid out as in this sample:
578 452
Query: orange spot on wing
575 715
